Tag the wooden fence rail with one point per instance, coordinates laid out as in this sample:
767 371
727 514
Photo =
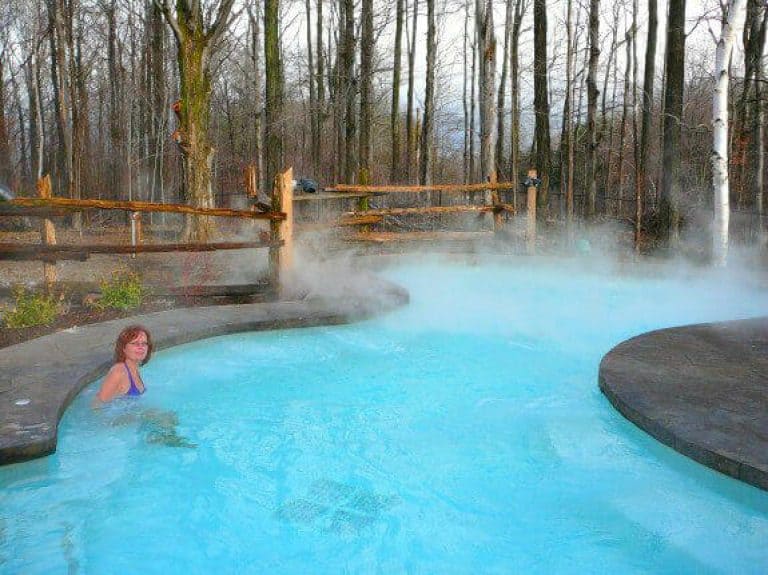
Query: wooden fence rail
77 205
365 217
450 188
278 240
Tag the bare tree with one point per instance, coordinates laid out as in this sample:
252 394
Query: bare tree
500 101
425 161
394 119
273 129
366 89
541 100
669 205
487 49
5 156
196 39
410 125
314 113
645 144
733 23
592 94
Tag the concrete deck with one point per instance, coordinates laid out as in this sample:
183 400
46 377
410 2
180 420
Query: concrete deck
700 389
39 378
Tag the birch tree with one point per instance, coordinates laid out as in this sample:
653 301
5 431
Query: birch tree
731 26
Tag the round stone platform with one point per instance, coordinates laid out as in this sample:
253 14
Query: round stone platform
700 389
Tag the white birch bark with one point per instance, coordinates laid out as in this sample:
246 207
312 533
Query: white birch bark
731 28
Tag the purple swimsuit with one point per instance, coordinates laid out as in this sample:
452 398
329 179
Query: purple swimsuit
133 390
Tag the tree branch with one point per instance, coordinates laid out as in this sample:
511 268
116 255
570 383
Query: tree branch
221 23
165 7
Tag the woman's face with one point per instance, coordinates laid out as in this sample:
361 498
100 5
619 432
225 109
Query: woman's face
136 349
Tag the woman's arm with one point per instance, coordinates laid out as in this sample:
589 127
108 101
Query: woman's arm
113 384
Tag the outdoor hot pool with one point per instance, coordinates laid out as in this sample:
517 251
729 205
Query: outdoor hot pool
463 433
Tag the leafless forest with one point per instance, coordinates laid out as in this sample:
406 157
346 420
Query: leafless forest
171 101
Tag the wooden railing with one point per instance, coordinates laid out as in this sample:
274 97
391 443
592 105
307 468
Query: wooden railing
364 216
279 239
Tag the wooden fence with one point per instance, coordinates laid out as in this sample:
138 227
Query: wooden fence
279 240
364 216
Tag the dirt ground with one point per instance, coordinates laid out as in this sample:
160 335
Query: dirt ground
77 279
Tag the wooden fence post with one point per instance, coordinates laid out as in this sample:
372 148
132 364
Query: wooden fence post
498 222
251 178
47 231
531 221
281 257
135 230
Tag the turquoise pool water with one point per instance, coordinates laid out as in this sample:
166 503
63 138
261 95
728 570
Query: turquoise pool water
464 433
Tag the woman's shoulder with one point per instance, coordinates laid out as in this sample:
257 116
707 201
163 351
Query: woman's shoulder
118 367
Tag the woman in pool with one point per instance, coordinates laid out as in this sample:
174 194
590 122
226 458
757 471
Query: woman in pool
132 349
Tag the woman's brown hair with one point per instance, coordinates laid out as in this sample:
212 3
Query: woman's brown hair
127 336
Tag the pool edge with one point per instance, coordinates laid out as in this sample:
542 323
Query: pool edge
41 377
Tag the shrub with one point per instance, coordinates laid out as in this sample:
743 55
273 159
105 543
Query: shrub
122 291
31 309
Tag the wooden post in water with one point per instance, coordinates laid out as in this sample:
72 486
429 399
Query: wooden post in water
47 231
281 257
530 235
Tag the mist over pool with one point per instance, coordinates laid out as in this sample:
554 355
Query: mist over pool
464 433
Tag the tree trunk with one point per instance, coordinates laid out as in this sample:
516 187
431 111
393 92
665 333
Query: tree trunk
350 116
472 107
273 130
592 94
514 94
320 84
566 139
645 144
624 112
59 41
502 89
410 127
366 88
541 102
394 119
464 98
25 167
195 42
257 111
116 115
758 127
36 133
731 27
742 132
669 205
425 161
314 126
487 48
5 155
159 103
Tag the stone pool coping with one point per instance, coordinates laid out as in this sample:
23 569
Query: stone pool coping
40 378
700 389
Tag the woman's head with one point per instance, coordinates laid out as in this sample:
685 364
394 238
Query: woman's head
134 342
